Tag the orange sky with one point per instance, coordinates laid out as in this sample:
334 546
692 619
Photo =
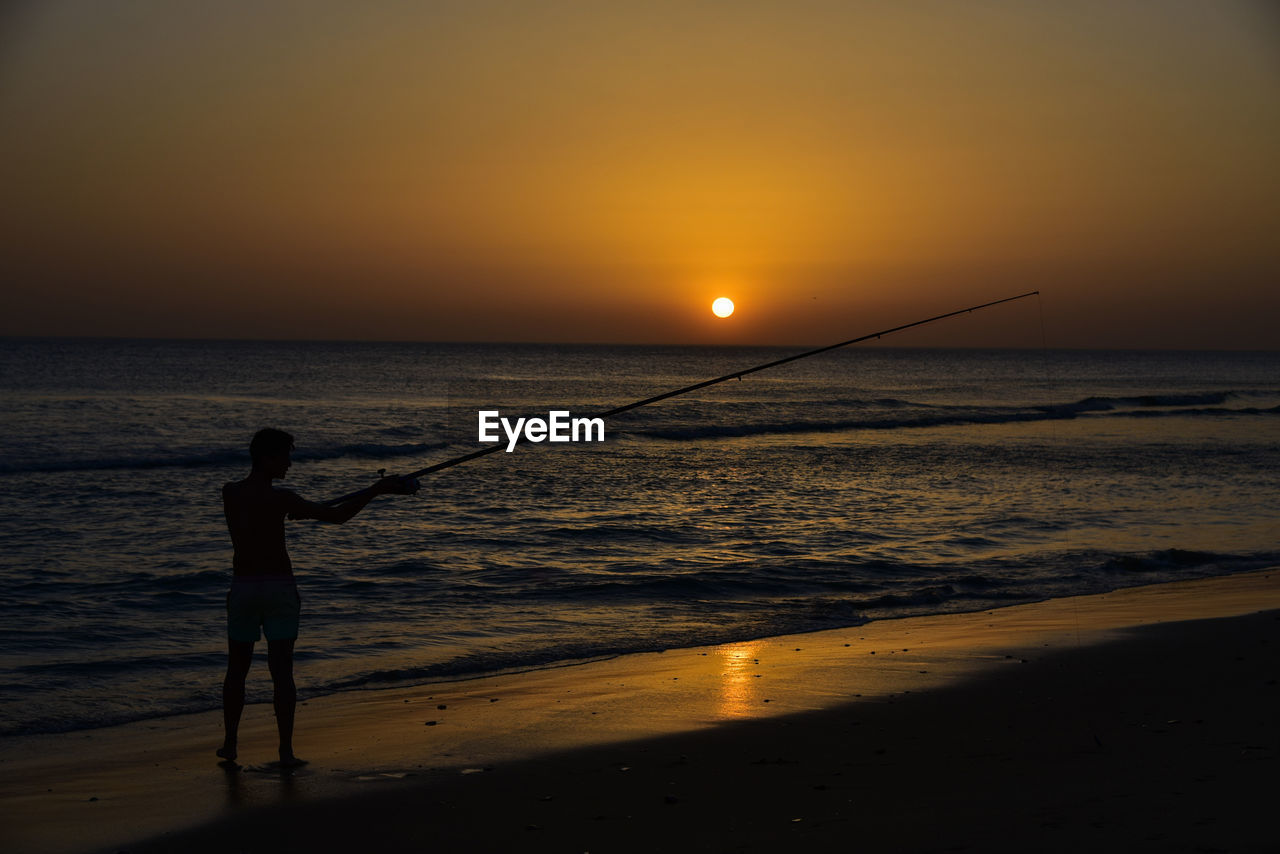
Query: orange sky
585 171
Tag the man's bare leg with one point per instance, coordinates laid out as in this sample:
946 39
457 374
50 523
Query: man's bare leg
239 657
285 697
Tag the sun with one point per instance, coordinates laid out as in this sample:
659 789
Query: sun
722 307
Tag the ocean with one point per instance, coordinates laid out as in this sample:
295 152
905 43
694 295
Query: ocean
857 485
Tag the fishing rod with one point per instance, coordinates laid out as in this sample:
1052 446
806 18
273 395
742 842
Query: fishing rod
617 410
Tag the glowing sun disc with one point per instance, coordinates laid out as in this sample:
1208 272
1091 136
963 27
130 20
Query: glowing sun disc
722 307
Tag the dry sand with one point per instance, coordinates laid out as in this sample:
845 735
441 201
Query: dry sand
1143 719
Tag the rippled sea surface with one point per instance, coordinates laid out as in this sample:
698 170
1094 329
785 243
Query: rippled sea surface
857 485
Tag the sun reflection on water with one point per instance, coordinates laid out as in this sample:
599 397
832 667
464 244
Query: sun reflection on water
739 685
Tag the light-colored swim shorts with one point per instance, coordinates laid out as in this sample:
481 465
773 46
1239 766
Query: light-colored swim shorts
267 601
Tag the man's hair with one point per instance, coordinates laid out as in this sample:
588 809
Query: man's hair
269 443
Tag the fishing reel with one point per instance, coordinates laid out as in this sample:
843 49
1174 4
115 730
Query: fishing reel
407 485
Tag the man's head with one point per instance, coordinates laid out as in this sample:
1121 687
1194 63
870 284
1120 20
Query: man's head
269 451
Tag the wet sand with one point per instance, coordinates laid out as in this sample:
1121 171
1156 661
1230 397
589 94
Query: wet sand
1142 719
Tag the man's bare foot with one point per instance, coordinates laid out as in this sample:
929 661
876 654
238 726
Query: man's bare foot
227 751
288 760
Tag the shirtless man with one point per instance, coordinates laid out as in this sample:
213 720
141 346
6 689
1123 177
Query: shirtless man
263 593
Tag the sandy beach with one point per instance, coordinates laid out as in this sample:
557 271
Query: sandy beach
1141 719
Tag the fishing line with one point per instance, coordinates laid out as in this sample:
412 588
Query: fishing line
1080 690
1053 437
617 410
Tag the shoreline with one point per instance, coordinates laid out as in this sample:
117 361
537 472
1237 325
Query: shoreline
447 678
102 789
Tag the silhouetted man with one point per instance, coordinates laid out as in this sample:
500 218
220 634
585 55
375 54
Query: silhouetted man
263 594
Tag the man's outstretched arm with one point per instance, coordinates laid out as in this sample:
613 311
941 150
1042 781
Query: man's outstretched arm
300 508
